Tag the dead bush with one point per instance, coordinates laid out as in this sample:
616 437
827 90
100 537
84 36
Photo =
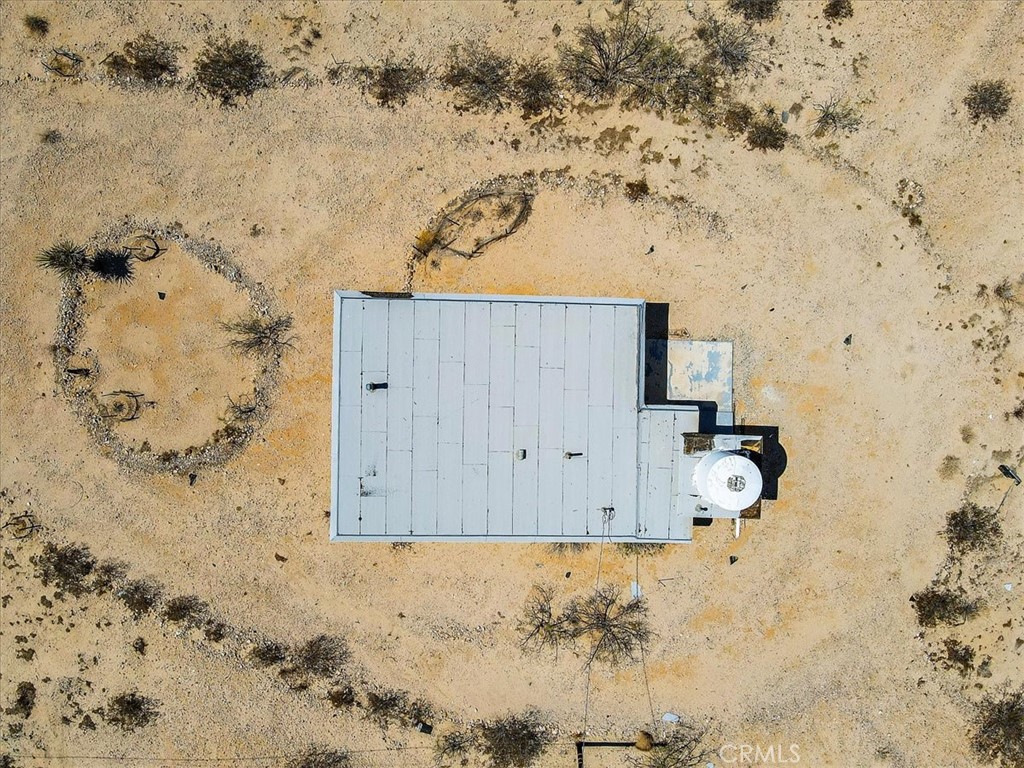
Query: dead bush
735 47
617 631
323 655
67 567
24 701
835 115
535 88
939 605
390 83
514 741
999 727
987 100
258 336
971 527
268 652
387 706
767 132
186 609
481 76
130 711
146 59
684 747
140 596
837 10
755 10
228 70
453 748
958 656
107 575
540 626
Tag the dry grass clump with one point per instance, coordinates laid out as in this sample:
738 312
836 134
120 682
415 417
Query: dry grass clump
481 76
390 83
514 741
139 596
684 747
67 567
322 758
999 728
836 115
971 528
145 58
987 100
186 609
112 266
260 335
837 10
735 47
767 132
323 655
755 10
130 711
940 605
65 258
535 88
228 70
37 26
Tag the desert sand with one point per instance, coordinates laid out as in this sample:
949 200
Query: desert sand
808 639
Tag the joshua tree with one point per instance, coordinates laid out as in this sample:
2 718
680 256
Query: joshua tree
65 258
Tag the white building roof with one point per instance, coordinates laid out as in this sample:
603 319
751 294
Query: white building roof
505 418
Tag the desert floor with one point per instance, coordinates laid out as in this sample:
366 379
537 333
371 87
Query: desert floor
808 639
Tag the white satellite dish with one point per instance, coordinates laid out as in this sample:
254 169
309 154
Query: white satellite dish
729 480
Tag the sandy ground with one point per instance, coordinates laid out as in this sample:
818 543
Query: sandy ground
808 639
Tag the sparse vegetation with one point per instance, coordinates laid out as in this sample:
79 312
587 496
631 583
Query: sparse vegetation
539 625
835 115
482 77
767 132
130 711
987 100
24 700
386 705
322 758
228 70
139 596
260 335
452 748
323 655
67 567
755 10
535 87
389 83
737 118
940 605
999 728
515 741
112 266
837 10
146 59
269 652
108 575
735 47
971 528
684 747
959 656
632 548
65 258
186 609
617 630
38 26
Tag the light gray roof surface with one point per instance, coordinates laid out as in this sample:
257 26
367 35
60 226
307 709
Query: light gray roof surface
472 381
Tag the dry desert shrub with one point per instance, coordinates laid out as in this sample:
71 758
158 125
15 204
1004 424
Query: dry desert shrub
958 656
540 626
321 757
67 567
535 87
228 70
684 747
390 83
146 59
268 653
617 631
734 47
940 605
632 548
514 741
260 335
139 596
971 528
107 575
481 76
987 100
767 132
37 26
452 748
130 711
835 115
737 118
568 547
837 10
386 705
999 728
24 701
755 10
637 190
323 655
186 609
65 258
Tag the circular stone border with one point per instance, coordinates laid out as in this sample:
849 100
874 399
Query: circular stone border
223 444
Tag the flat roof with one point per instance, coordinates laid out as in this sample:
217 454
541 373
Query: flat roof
504 418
